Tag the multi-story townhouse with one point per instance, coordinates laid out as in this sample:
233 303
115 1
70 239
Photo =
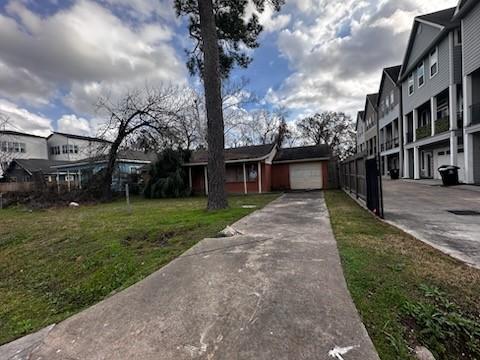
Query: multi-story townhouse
371 118
69 147
17 145
389 120
468 12
360 131
431 85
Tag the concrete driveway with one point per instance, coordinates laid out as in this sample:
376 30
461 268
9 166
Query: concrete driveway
422 209
275 292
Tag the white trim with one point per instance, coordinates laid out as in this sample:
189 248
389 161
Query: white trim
411 78
421 66
190 182
206 180
430 63
430 23
245 190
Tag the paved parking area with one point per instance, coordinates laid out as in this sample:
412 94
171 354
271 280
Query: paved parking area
422 209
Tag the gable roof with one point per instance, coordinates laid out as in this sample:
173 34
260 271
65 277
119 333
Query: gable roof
18 133
463 8
38 165
233 154
79 137
314 152
360 116
373 99
443 20
392 73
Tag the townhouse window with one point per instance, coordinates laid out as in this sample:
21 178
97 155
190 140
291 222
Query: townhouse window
433 62
64 149
392 98
23 148
421 74
411 85
75 149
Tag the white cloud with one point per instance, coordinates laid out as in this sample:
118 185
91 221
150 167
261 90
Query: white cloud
22 120
336 50
80 48
72 124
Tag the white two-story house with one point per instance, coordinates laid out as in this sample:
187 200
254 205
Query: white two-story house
70 147
432 96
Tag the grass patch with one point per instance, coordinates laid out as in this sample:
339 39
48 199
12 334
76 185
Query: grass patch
392 277
56 262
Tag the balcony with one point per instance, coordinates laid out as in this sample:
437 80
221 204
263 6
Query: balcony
409 137
442 125
391 144
475 114
460 119
424 131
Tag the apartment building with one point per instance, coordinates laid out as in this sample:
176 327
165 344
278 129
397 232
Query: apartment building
360 132
370 120
468 13
432 96
390 120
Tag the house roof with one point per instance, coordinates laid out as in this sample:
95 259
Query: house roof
442 17
79 137
463 8
123 156
373 98
233 154
38 165
444 20
303 153
18 133
393 72
360 116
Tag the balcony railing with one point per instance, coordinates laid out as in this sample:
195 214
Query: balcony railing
460 119
424 131
391 143
442 125
475 114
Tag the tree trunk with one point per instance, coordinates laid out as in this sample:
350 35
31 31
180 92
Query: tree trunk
217 197
108 176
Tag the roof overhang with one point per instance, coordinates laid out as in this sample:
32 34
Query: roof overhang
302 160
84 163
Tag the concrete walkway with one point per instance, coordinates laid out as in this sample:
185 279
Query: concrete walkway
275 292
422 209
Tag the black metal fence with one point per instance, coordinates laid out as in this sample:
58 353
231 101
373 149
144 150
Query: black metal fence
361 177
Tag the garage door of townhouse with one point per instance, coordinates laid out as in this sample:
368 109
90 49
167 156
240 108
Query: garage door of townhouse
306 176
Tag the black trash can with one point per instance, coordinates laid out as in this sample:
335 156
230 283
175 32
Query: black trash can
394 174
449 174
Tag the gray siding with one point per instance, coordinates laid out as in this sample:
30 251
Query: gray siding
370 112
457 64
433 86
471 41
476 158
422 41
388 117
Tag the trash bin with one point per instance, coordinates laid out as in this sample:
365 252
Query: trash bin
449 174
394 174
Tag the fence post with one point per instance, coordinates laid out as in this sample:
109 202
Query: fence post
1 201
127 195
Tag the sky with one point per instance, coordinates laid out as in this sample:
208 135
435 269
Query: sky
58 56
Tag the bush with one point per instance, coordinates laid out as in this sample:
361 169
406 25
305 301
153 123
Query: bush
167 176
442 327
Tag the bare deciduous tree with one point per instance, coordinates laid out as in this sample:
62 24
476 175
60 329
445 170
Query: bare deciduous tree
6 156
331 128
150 110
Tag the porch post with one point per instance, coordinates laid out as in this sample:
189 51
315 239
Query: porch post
416 163
405 129
433 110
406 164
468 152
453 148
415 124
206 180
80 179
259 177
453 106
58 182
190 178
467 138
245 190
68 180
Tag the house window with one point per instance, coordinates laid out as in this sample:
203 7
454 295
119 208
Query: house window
392 98
411 85
76 149
64 149
421 74
434 62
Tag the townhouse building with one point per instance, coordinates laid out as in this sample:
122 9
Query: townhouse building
390 120
360 132
468 13
432 96
371 130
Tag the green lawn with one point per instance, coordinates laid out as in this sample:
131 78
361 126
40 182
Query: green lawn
56 262
407 293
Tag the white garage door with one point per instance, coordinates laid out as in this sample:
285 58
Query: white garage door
306 176
442 158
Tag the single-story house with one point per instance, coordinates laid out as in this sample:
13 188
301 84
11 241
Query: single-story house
129 162
264 168
24 170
